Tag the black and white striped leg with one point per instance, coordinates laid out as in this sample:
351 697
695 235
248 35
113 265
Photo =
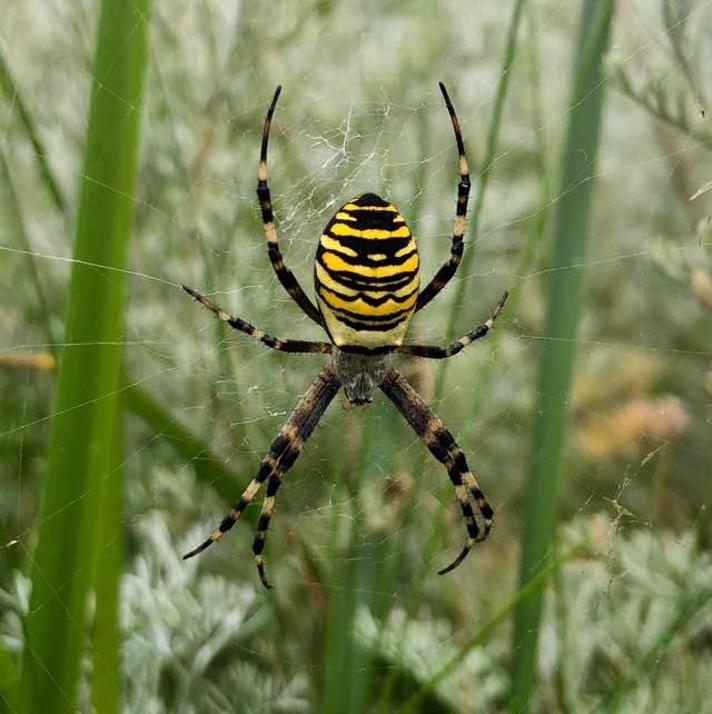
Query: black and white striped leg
284 274
258 544
435 352
428 426
282 454
305 418
267 467
442 277
274 342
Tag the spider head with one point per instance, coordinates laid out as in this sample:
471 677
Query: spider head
360 374
359 389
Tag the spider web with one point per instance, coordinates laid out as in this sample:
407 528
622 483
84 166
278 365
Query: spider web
361 112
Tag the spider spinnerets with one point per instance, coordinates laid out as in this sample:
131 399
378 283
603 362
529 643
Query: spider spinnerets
367 278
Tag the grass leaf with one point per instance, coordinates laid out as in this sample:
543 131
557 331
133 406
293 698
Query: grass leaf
558 354
492 141
84 438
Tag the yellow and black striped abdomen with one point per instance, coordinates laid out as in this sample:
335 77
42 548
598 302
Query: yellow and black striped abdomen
367 274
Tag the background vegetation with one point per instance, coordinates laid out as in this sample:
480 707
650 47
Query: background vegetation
601 230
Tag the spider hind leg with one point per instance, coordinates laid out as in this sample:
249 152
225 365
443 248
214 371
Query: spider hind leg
282 454
428 426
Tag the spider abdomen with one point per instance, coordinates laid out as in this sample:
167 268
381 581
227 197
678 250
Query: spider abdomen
367 274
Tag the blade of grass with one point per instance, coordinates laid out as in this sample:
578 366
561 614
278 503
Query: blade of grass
492 139
538 226
106 635
14 98
356 573
9 680
82 441
558 354
208 466
210 469
395 675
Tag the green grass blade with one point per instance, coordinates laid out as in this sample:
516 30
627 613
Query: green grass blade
86 406
357 574
106 635
474 218
15 99
558 354
210 469
9 680
538 227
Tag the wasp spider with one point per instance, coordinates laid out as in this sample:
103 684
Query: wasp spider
367 278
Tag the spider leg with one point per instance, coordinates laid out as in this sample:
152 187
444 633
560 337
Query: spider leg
305 417
273 342
284 274
267 467
447 270
435 352
428 426
282 453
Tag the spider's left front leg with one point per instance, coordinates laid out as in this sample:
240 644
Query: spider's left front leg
428 426
435 352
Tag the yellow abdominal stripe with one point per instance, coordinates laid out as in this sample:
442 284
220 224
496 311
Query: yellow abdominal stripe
375 292
354 207
360 307
341 229
332 244
333 262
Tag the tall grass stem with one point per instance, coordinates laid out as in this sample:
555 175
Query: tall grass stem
556 361
85 439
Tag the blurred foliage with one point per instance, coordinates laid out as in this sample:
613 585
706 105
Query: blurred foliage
365 517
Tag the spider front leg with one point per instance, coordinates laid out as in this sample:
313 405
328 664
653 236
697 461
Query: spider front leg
282 454
274 342
443 276
428 426
435 352
284 274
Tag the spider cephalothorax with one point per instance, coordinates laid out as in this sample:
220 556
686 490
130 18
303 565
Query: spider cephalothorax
360 374
367 278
